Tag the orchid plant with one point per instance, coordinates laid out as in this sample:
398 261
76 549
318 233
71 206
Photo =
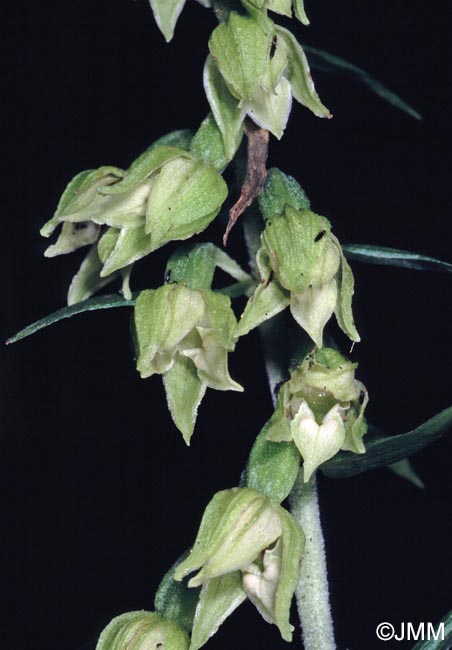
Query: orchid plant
260 540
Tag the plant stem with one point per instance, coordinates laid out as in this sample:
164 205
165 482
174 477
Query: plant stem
312 591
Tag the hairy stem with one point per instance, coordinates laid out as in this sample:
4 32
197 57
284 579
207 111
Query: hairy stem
312 591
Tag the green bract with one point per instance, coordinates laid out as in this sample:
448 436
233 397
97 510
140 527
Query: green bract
301 263
283 7
185 335
142 631
243 533
321 409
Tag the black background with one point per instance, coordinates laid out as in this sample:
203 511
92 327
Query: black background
101 494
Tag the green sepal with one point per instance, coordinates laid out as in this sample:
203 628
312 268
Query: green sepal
271 111
218 599
385 450
142 630
292 540
174 601
80 192
144 166
241 50
185 198
228 113
299 75
179 138
267 301
300 12
281 190
276 66
184 393
163 317
207 144
132 244
166 13
192 265
272 466
298 245
282 7
237 525
345 291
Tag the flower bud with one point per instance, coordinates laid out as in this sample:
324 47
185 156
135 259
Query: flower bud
321 409
242 530
142 631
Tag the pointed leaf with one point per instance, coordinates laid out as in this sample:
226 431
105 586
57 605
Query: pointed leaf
225 108
371 254
184 392
132 244
326 62
346 289
271 111
299 75
72 237
300 13
385 450
240 49
283 7
166 13
219 598
103 302
404 469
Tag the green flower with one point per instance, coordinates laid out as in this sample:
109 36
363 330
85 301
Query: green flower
142 631
243 534
321 409
185 335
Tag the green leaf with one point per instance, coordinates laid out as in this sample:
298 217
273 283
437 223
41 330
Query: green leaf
271 111
225 108
300 77
442 642
272 466
131 245
184 392
179 138
93 304
241 50
382 255
330 63
174 600
283 7
185 198
166 13
146 164
141 630
219 598
385 450
207 144
404 469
